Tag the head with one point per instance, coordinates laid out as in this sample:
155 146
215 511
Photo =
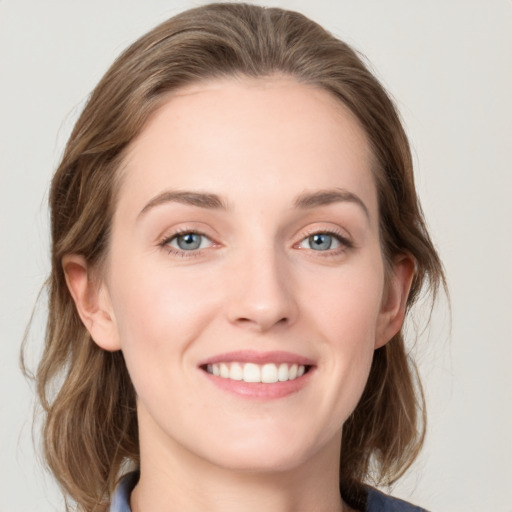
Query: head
91 420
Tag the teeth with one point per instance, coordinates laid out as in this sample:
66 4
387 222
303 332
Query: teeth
224 371
269 373
283 373
250 372
236 372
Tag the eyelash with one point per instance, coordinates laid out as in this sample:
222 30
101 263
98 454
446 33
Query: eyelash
164 243
345 243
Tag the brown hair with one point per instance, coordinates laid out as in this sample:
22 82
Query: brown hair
90 429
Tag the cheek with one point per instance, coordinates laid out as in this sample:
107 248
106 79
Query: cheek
159 311
347 317
159 317
348 302
151 310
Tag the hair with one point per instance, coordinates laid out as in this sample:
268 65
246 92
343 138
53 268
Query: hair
88 400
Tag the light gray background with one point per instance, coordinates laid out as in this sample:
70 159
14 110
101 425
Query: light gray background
447 63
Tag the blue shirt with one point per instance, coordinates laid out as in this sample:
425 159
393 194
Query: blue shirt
375 501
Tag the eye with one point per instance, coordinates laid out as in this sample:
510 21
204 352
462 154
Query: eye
323 242
189 241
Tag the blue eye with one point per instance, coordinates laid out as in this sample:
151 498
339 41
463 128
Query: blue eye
321 242
189 241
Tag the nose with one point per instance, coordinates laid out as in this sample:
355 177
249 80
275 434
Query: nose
261 293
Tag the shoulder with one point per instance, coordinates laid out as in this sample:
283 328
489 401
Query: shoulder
377 501
121 497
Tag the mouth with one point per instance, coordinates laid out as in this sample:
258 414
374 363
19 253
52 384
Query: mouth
268 373
261 375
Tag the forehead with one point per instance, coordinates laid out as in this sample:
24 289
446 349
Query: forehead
241 136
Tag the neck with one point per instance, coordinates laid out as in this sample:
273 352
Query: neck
250 493
177 480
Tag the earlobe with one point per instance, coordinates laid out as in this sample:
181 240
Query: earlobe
394 302
92 302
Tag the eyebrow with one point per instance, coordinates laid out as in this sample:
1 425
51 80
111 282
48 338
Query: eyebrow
327 197
200 199
304 201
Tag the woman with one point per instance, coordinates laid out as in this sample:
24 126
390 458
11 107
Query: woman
236 240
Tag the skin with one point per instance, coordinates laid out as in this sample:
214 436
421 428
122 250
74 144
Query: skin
257 283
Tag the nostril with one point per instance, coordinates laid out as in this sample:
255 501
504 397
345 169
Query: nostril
261 323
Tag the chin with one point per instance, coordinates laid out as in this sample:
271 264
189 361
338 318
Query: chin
260 461
263 454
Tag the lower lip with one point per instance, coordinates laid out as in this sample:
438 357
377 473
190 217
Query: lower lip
259 390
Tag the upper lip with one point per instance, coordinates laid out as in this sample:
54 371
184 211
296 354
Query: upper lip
251 356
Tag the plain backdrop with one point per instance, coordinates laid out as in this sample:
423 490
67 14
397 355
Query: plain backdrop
448 64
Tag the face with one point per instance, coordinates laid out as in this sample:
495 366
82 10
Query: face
244 281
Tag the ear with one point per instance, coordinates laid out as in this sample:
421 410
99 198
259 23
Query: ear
92 302
394 301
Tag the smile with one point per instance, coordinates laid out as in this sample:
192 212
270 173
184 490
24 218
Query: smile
268 373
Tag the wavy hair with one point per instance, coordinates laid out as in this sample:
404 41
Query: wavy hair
90 423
